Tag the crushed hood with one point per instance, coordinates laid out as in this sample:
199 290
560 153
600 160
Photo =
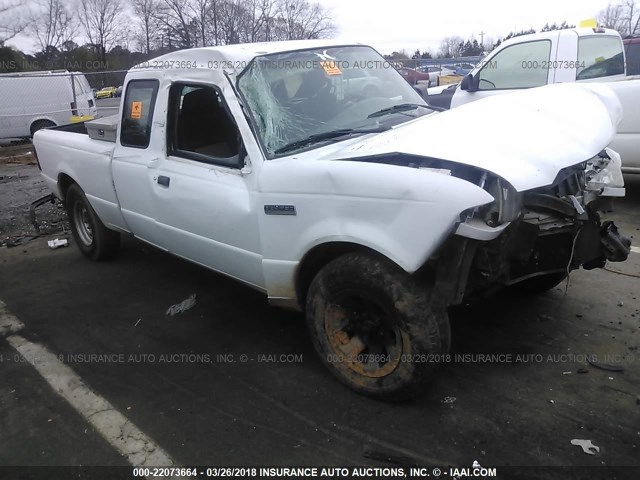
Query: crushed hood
525 137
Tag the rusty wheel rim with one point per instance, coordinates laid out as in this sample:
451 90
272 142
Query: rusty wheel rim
362 334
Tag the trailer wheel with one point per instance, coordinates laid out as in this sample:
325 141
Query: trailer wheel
40 124
374 327
95 240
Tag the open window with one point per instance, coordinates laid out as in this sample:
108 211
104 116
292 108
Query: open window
201 127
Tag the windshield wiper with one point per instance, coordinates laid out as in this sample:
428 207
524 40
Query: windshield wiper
318 137
403 107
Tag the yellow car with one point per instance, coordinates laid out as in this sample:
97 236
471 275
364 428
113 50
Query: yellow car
106 92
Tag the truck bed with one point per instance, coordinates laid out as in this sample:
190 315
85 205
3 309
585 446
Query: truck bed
67 153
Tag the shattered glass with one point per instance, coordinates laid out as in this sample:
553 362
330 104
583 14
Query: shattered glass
293 95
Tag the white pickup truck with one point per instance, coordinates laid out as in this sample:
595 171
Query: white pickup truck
582 55
361 208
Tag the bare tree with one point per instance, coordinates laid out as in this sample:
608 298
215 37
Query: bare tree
52 24
101 20
449 46
11 22
147 12
200 10
301 19
623 17
176 18
632 17
612 17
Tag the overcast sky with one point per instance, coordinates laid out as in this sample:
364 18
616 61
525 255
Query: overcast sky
391 25
409 24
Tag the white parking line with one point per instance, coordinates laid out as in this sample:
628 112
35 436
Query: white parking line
635 249
123 435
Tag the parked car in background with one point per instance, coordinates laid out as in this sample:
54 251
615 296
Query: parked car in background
366 210
632 54
434 72
106 92
414 76
583 55
30 101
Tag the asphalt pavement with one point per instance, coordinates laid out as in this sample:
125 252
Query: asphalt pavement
233 381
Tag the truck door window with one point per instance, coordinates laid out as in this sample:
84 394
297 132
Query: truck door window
200 126
523 65
599 56
137 113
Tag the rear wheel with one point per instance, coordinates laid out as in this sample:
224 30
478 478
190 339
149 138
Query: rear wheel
374 327
94 239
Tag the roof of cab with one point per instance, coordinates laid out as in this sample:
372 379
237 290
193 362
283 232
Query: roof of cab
231 58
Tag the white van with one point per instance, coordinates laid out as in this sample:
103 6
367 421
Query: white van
30 101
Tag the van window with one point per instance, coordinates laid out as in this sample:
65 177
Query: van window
599 56
523 65
200 127
137 113
633 59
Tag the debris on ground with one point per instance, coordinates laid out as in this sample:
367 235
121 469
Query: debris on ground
58 243
389 458
587 446
567 373
582 370
476 464
621 303
182 306
449 400
604 366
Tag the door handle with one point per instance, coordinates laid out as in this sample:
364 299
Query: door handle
164 181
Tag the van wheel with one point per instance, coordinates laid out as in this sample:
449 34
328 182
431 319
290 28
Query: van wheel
374 327
94 239
40 124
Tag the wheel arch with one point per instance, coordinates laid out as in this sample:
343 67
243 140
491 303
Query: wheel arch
319 256
64 182
40 119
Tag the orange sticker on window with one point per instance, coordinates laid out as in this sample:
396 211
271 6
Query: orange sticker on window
136 109
330 68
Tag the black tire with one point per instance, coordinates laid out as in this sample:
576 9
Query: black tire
358 295
95 240
539 284
40 124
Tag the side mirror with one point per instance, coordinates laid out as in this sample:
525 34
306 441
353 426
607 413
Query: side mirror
469 83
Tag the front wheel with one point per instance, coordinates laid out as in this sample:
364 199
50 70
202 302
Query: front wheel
94 239
374 326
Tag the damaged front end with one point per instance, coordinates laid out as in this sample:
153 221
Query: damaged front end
524 237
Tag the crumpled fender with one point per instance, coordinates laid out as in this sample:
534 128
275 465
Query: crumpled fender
403 213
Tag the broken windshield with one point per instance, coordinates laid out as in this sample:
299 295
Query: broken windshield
295 95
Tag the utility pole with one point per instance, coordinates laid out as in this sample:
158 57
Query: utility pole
482 39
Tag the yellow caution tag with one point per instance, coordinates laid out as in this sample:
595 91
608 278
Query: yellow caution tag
330 68
136 110
589 23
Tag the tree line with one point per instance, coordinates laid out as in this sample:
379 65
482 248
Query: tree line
98 35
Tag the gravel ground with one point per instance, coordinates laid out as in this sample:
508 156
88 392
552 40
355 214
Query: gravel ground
20 185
